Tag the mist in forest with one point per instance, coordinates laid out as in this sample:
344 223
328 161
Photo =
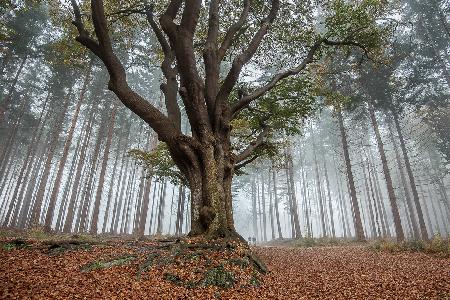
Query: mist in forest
374 166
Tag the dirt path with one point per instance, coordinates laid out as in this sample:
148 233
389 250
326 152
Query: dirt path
295 273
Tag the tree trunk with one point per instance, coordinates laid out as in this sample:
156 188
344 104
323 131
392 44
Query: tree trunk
263 204
359 231
8 99
272 223
292 196
65 154
422 226
412 218
101 182
275 200
81 161
55 133
392 199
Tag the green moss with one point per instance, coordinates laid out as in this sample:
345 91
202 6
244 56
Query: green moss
219 277
173 278
15 244
107 264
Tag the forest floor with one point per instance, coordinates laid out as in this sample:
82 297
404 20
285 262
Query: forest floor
83 267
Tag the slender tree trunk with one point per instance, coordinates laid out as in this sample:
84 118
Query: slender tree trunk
254 211
101 182
392 199
319 191
422 226
86 200
162 204
263 208
275 200
81 161
8 99
359 231
292 196
333 233
55 134
409 205
65 154
272 223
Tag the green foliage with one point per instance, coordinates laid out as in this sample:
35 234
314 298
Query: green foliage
158 162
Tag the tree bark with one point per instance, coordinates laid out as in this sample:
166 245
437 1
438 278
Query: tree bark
392 198
359 231
412 181
98 195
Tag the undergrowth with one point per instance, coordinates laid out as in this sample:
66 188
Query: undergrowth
438 246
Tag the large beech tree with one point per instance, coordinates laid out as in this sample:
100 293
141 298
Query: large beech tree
205 46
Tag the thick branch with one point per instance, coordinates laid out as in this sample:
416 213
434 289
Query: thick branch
253 146
243 58
210 58
247 99
170 88
118 83
246 162
231 33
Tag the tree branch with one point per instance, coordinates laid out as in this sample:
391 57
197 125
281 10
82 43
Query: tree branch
118 82
253 146
244 57
247 99
231 33
210 58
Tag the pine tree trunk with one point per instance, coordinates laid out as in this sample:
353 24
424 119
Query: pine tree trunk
77 181
65 153
412 218
55 134
359 231
101 181
292 196
263 199
422 226
9 97
392 199
275 200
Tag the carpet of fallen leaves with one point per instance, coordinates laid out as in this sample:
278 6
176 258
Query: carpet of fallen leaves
153 270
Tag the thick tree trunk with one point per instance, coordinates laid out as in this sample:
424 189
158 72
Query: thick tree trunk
359 231
392 198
